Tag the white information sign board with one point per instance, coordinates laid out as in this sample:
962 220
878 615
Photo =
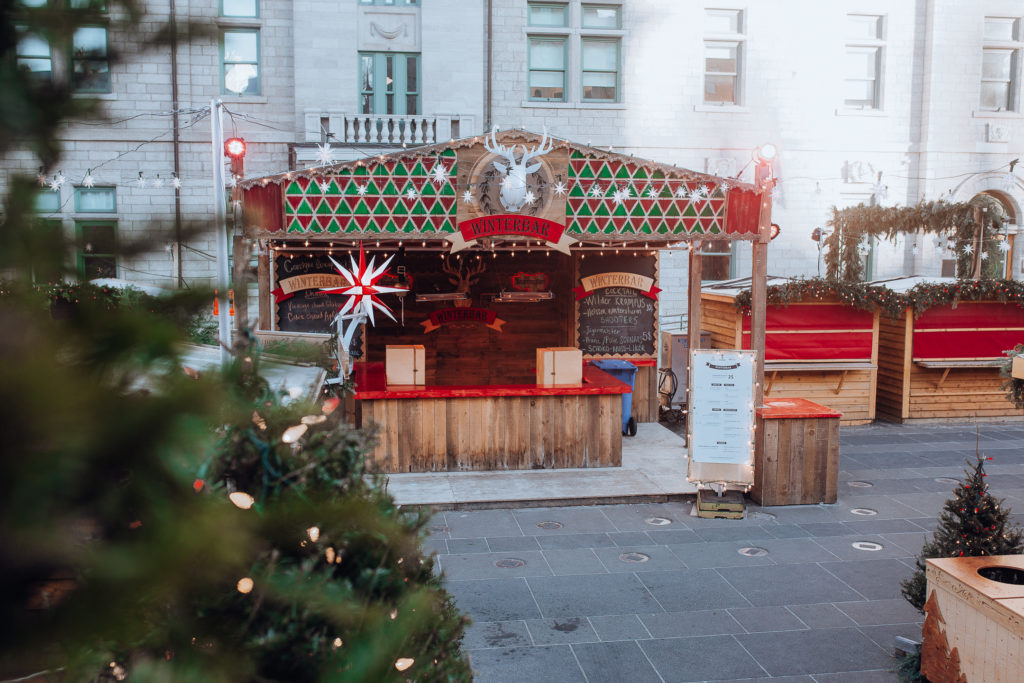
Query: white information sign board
721 411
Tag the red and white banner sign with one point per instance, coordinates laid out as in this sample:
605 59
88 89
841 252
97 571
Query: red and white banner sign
528 227
286 288
447 316
632 280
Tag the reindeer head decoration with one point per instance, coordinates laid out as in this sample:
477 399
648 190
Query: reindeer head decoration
513 185
463 274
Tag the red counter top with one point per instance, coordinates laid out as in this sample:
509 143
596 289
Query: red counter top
371 384
794 408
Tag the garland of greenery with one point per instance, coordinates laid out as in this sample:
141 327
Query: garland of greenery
867 297
851 225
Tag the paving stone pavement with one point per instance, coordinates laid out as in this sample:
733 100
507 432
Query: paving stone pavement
645 592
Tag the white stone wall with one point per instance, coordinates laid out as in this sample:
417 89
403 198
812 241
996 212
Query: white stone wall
928 140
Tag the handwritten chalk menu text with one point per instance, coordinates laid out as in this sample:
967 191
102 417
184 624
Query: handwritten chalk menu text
722 406
617 321
306 310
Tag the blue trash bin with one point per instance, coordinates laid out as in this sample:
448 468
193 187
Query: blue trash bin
624 371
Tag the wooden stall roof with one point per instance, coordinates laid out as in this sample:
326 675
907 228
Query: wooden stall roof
425 193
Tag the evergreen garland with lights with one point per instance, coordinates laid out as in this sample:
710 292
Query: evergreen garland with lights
851 225
972 523
920 298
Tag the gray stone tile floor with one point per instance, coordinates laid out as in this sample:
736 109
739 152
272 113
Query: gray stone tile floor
612 593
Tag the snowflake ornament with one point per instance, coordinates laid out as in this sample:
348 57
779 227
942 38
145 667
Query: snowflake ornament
595 190
61 178
158 183
968 248
681 192
1004 246
530 197
176 182
411 194
362 289
324 154
41 179
701 192
324 185
439 174
559 189
54 185
88 180
984 255
467 197
361 190
651 192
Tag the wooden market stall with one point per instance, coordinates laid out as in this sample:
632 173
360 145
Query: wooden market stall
944 363
506 244
819 349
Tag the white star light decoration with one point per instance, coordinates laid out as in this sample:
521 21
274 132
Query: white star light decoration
176 182
559 189
324 154
681 192
595 191
410 194
529 197
141 182
88 180
158 183
968 248
362 288
651 192
361 190
439 174
467 197
1004 246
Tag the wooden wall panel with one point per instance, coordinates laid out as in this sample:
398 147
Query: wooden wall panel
500 433
799 463
722 319
854 401
892 352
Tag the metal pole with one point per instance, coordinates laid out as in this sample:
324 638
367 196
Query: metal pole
221 231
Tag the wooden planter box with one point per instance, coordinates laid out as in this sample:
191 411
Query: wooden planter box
796 459
945 364
824 351
974 626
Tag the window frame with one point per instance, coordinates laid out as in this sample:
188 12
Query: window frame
729 255
1015 47
400 79
82 257
73 60
23 31
738 40
254 15
224 30
80 190
862 45
46 192
553 38
564 6
618 68
584 6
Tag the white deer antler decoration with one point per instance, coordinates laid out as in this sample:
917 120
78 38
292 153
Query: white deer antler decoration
513 185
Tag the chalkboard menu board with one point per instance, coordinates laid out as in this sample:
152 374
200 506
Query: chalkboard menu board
306 310
615 317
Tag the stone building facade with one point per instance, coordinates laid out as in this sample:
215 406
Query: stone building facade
866 101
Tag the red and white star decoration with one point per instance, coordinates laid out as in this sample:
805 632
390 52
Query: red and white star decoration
363 289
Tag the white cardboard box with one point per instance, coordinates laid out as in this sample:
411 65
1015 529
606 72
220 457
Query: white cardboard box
405 364
1018 367
559 365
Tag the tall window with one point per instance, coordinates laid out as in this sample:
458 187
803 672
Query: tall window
240 61
716 260
97 253
862 77
95 200
723 56
574 52
389 83
1000 64
90 60
547 64
33 55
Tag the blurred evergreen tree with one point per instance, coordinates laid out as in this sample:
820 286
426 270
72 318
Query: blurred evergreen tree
161 526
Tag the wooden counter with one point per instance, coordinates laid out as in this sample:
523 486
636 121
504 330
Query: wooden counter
796 460
496 427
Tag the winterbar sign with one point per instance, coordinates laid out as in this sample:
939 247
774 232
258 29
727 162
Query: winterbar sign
516 225
722 407
447 316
